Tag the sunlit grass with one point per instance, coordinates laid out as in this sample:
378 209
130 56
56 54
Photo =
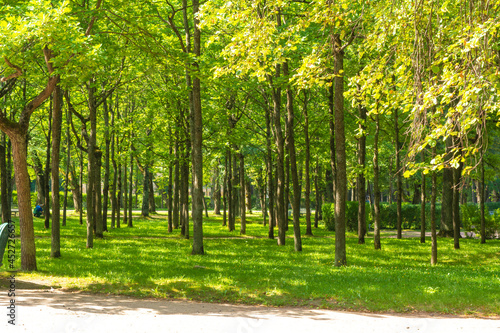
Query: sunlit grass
147 261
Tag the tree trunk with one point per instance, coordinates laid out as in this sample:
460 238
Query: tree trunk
399 198
106 167
28 250
91 181
229 170
317 194
446 229
225 189
4 180
114 200
280 160
152 202
68 163
176 190
145 192
361 182
422 209
269 170
307 167
293 165
170 195
433 214
340 155
119 195
243 227
457 179
125 191
130 188
481 199
46 184
99 224
217 192
55 249
376 189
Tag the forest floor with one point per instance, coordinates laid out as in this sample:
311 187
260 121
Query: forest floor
39 309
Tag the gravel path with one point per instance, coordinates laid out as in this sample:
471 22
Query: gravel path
57 311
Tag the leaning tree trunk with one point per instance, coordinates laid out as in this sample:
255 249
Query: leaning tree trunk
55 249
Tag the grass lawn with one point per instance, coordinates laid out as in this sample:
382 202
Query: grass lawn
146 261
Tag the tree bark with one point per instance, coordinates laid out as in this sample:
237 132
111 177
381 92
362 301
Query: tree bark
68 164
55 248
176 190
130 188
434 259
457 179
446 229
243 227
170 195
317 194
481 200
217 191
361 182
376 189
340 154
107 139
293 165
145 192
307 193
99 223
152 202
46 177
4 180
399 198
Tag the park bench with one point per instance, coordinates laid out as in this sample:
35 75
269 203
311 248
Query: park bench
14 212
4 237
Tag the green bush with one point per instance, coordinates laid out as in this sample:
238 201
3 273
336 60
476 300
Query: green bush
328 210
471 219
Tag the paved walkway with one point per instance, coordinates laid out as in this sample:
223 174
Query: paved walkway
56 311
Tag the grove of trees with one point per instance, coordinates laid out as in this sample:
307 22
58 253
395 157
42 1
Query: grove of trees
270 104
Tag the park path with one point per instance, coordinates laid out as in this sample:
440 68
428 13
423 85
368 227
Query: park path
57 311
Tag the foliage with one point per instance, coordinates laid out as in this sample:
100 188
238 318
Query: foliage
471 219
328 210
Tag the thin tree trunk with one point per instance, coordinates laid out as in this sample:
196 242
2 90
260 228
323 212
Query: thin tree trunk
399 198
170 195
145 192
217 192
456 206
376 189
115 177
152 202
47 172
225 189
361 182
307 167
446 229
434 259
176 206
422 206
106 167
68 163
81 188
243 227
481 200
99 224
130 188
317 194
55 249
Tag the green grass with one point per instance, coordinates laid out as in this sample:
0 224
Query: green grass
146 261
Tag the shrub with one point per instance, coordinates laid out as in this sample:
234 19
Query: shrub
328 210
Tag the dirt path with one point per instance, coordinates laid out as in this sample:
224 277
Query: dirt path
46 310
